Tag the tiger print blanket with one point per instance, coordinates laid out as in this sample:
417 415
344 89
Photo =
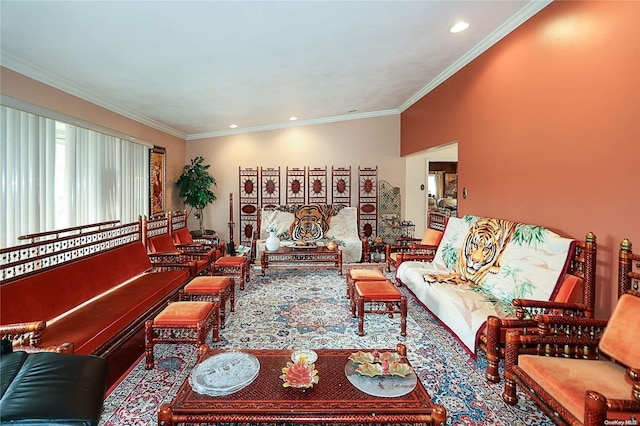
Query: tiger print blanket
480 266
480 252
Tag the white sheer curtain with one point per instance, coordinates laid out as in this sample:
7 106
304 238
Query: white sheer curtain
55 175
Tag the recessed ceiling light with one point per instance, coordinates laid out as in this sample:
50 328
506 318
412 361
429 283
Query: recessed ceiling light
294 118
460 26
233 126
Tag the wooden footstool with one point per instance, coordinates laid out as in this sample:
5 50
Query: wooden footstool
212 289
354 275
383 298
181 322
235 266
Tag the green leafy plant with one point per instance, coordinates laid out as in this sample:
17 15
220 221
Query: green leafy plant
195 187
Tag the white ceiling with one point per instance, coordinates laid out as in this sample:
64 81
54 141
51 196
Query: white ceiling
192 68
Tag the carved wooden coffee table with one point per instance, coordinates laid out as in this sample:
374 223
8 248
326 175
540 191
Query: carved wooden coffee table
334 399
315 255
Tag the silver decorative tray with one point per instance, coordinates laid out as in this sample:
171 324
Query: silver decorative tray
380 386
224 373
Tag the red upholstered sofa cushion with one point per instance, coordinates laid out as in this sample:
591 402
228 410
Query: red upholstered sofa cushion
182 236
44 296
94 324
161 244
115 282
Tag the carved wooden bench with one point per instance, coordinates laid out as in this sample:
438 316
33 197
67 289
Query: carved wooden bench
91 286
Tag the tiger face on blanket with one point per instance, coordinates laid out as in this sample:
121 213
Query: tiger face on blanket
480 253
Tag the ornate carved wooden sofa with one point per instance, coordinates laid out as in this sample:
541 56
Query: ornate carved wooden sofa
463 285
584 371
338 223
91 286
417 249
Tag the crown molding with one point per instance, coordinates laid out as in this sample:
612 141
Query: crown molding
530 9
297 123
58 82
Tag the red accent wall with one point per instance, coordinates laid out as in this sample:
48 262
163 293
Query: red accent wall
548 128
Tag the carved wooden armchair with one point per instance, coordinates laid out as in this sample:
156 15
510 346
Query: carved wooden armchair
590 369
419 249
162 250
575 298
584 371
184 241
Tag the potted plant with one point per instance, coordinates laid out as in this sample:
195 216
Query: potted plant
195 187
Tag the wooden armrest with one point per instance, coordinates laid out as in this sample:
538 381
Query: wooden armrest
24 334
406 239
168 257
194 249
527 308
421 257
426 247
538 339
170 266
24 327
573 321
396 247
164 253
526 303
514 323
194 245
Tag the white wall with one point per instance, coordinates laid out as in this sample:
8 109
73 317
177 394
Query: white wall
366 142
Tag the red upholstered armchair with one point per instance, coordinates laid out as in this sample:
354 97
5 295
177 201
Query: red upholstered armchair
161 249
184 242
420 249
583 371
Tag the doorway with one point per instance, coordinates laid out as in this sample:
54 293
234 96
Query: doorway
442 179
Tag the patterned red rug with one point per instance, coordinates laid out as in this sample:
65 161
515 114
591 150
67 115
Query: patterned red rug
306 308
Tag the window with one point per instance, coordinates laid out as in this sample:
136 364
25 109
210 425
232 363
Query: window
55 175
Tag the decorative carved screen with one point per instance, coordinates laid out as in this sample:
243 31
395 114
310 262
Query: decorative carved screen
317 185
270 187
368 201
260 187
389 223
248 204
341 185
296 186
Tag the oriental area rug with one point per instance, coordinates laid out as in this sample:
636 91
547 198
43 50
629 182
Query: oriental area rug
307 308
